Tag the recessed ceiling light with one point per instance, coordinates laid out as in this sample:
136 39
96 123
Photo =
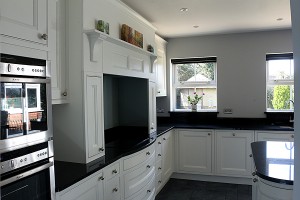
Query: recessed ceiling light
279 19
184 9
196 26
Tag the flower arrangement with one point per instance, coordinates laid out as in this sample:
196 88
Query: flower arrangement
195 99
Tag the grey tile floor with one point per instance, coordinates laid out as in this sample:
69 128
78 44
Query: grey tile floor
179 189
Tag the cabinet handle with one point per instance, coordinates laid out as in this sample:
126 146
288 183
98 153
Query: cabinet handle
148 153
152 128
253 173
159 142
148 191
164 138
255 180
159 154
115 190
233 134
65 94
159 168
292 136
114 171
44 36
148 166
208 134
159 181
101 178
101 149
158 92
250 155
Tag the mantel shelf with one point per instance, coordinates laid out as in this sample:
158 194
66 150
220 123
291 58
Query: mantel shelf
94 35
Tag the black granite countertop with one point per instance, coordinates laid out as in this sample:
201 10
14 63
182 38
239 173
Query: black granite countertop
274 161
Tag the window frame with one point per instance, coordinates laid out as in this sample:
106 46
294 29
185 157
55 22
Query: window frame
195 84
275 82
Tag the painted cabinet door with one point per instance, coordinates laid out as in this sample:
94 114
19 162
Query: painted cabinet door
152 107
167 156
161 67
94 117
92 189
195 151
26 20
287 136
233 153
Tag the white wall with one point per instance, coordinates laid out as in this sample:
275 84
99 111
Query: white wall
241 70
295 7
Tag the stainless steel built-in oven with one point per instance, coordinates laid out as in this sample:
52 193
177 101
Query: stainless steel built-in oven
26 112
28 173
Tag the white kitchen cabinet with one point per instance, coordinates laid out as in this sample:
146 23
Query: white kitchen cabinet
287 136
195 151
267 190
90 188
94 117
152 107
112 187
139 174
161 67
233 153
59 69
164 159
25 20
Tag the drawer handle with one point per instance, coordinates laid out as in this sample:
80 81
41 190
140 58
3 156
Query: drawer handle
148 153
255 180
148 191
250 155
208 134
164 138
253 173
101 149
159 154
148 166
115 190
233 134
152 128
159 142
159 181
292 136
114 171
159 168
101 178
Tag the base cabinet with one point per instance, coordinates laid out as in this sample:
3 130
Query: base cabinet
195 151
233 153
89 189
287 136
266 190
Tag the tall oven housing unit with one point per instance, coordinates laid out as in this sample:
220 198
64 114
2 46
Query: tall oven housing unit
26 137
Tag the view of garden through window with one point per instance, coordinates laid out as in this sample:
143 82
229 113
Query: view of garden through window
199 78
280 83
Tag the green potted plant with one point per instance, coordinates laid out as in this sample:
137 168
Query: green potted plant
194 100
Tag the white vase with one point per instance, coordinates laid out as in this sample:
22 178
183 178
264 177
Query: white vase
194 108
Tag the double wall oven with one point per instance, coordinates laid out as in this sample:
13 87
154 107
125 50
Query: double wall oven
26 145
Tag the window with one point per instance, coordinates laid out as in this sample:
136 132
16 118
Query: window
194 75
280 82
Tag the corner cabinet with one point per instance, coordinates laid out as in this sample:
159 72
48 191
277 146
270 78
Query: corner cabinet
233 153
161 67
195 149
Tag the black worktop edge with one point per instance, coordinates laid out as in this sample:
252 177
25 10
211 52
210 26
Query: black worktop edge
274 180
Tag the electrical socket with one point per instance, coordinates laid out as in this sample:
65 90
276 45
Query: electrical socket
227 110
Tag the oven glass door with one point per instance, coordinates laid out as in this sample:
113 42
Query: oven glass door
34 187
23 109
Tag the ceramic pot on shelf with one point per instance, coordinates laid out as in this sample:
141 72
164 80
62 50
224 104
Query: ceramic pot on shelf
194 108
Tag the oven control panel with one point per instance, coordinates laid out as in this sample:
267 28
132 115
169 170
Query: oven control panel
22 70
22 161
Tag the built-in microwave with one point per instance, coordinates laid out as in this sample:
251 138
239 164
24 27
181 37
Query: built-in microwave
26 112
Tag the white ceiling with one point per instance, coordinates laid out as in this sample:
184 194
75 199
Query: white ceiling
213 16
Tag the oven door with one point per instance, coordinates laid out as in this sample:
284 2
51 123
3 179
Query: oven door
25 112
35 184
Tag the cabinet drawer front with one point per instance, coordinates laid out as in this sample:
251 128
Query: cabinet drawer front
139 158
158 150
158 166
148 193
112 171
158 180
136 180
112 189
